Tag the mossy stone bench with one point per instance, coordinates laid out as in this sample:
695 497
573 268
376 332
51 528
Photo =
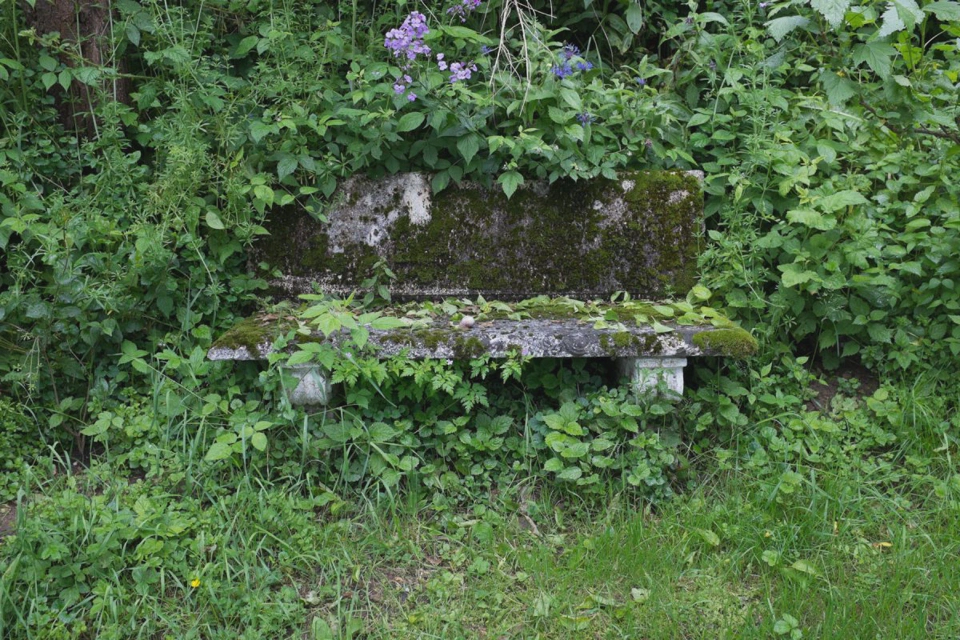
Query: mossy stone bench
549 246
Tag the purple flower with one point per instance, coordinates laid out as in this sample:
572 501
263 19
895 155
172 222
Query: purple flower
689 20
562 71
465 7
485 50
570 50
440 63
461 71
641 81
411 96
399 88
648 143
408 39
585 118
584 65
764 5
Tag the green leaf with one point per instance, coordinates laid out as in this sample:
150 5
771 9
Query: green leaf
877 55
244 46
661 328
570 473
698 119
944 10
300 357
571 98
709 537
832 10
327 323
634 17
259 441
213 220
811 218
219 451
553 465
510 181
838 89
286 166
780 28
65 78
909 12
805 567
410 121
891 22
468 146
841 199
48 79
384 323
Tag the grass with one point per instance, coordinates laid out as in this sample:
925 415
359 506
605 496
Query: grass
853 533
841 560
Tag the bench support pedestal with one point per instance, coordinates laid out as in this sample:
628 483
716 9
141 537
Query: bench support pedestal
646 373
313 385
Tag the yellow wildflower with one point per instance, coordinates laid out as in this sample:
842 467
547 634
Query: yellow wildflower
195 583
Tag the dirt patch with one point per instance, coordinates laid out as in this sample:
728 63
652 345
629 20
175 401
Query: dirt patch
852 380
8 520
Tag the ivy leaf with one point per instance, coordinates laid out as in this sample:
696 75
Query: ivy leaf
510 181
779 28
410 121
832 10
877 55
945 11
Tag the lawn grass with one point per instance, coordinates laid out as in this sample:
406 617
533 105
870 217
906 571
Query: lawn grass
834 559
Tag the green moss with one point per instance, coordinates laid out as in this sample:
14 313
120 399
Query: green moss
466 347
735 342
252 333
478 240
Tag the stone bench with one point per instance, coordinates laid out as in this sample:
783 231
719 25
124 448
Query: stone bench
549 246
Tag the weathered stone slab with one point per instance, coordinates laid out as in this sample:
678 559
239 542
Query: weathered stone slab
585 240
538 338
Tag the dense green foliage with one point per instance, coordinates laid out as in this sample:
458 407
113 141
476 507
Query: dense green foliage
829 134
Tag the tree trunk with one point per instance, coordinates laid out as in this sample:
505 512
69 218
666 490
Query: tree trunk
83 25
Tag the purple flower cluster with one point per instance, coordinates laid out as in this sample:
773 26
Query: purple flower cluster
408 39
570 62
465 8
584 118
461 71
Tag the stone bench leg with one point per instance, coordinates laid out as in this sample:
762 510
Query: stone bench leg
313 385
646 373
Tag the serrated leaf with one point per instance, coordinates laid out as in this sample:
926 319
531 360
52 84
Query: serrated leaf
877 55
945 11
553 465
286 166
510 181
909 12
570 473
779 28
832 10
811 218
410 121
891 22
838 89
468 146
259 441
840 199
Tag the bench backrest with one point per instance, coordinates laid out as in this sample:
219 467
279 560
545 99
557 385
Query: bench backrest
639 233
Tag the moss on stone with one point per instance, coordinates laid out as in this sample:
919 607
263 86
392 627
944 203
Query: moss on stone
734 342
253 333
479 240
